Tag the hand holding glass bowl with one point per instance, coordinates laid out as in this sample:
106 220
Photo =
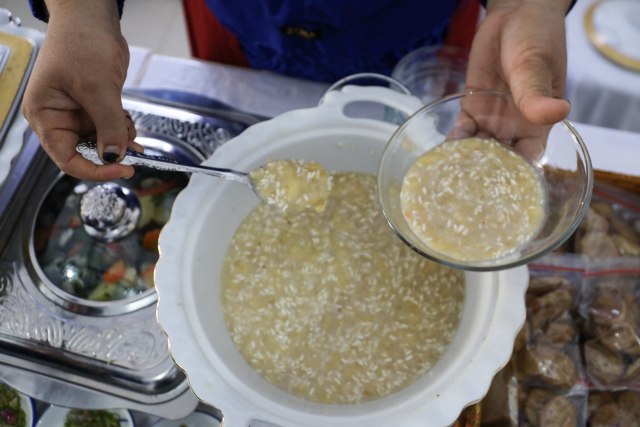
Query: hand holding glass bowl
556 153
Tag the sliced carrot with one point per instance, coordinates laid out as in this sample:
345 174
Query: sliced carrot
155 190
150 239
75 222
115 272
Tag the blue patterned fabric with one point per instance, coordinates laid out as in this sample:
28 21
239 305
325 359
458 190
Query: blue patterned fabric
326 40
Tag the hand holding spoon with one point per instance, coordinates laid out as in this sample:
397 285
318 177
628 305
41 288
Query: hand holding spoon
290 185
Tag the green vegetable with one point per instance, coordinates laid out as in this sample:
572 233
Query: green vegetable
11 413
103 292
91 418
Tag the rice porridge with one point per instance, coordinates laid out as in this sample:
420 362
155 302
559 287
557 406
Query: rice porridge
473 199
293 185
332 306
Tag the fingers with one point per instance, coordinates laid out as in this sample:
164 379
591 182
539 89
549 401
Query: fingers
131 126
83 169
520 46
109 170
75 89
60 146
532 86
60 131
543 110
534 58
113 128
136 147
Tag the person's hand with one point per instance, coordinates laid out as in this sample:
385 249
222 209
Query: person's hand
74 92
520 47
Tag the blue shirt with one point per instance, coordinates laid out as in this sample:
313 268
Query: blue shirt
328 39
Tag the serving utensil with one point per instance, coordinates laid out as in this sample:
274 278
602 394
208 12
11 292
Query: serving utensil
286 184
89 151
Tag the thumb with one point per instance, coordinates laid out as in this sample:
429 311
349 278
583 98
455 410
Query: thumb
111 124
532 86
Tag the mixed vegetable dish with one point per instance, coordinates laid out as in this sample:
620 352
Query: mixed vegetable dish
90 269
11 412
91 418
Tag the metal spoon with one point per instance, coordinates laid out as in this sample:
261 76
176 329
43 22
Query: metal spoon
316 188
89 151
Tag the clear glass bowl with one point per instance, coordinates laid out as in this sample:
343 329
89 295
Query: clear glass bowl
432 72
557 152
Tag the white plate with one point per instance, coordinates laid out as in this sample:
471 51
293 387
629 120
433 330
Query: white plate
196 419
55 416
613 27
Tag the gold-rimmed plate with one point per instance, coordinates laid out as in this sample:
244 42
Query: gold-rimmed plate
613 27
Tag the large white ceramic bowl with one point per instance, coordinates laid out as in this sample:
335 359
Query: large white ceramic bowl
203 221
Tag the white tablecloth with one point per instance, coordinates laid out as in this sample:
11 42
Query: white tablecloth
612 150
601 92
270 94
258 92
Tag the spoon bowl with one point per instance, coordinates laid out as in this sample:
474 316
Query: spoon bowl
286 184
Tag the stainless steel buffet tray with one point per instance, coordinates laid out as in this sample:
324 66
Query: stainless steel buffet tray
54 350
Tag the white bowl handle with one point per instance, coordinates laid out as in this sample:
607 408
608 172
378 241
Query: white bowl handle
337 100
238 420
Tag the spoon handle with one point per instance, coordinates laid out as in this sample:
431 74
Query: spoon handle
89 151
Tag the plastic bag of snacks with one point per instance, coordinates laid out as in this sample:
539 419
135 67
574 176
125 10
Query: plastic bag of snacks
606 409
551 407
610 310
547 364
611 226
578 354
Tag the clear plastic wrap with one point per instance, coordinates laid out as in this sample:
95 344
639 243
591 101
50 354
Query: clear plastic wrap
610 313
550 380
611 227
576 361
550 407
606 409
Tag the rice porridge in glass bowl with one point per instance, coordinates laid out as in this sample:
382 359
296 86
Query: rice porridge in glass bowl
468 182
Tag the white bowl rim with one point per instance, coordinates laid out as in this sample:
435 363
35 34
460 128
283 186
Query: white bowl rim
210 385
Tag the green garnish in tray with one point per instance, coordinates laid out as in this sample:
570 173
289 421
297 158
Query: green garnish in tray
91 418
11 413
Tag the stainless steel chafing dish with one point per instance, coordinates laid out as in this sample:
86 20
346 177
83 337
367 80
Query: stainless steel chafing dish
66 348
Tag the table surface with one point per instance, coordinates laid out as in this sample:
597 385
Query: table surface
268 94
